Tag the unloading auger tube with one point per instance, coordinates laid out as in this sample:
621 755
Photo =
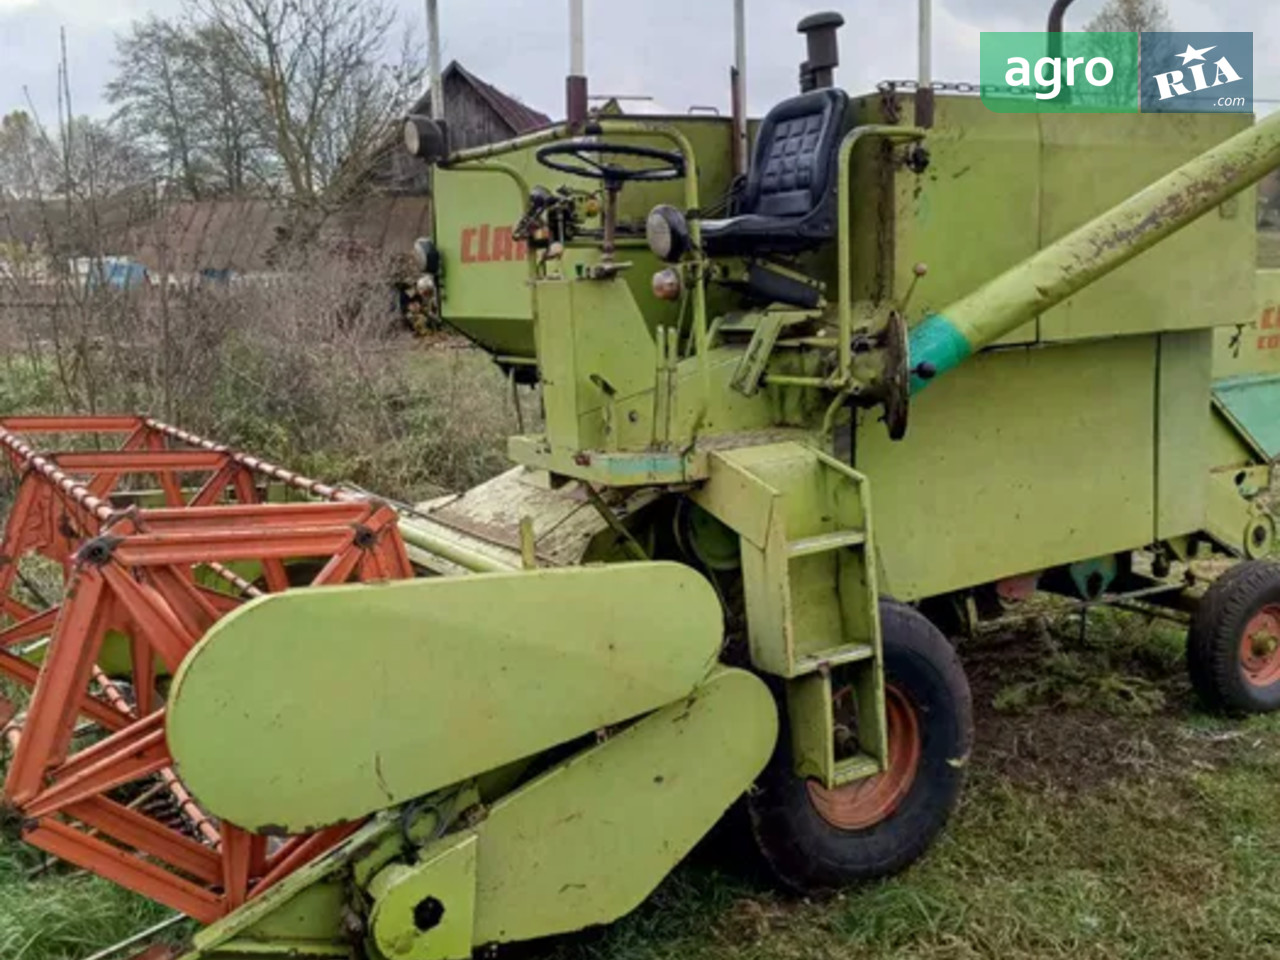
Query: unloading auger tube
944 339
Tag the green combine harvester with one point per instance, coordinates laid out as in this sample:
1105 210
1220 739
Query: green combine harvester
807 409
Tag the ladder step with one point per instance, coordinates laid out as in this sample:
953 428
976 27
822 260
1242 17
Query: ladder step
826 542
835 657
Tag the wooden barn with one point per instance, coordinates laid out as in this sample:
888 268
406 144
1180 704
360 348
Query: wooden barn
476 113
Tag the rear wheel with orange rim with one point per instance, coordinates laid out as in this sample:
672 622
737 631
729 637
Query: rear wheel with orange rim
1233 646
818 838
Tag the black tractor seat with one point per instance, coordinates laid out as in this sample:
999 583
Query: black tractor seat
789 202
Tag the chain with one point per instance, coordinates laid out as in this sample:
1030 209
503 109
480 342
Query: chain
950 86
887 88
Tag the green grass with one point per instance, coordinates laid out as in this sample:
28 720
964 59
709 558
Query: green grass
63 916
1087 830
1180 866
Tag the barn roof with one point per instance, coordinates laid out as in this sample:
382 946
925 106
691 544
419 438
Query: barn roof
520 117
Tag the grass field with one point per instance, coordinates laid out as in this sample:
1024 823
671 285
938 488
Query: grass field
1104 818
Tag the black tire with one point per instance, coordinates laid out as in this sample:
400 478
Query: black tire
805 850
1216 662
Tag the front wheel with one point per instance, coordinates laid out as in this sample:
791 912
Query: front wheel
815 838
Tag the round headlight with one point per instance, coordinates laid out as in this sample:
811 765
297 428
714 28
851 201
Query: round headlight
412 139
425 138
668 233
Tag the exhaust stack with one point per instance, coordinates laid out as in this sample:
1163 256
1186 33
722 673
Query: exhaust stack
819 71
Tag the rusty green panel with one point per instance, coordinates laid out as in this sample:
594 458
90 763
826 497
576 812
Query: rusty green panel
657 447
586 842
1118 236
1183 455
1251 345
485 296
983 182
411 664
1233 510
1199 277
1022 459
426 911
1227 449
591 369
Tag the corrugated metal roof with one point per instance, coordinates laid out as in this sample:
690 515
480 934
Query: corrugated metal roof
246 236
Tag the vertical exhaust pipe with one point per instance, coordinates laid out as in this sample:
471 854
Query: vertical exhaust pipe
576 85
819 71
434 68
1057 14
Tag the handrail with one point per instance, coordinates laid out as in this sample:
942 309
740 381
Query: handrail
845 231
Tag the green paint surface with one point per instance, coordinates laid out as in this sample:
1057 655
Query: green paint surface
589 840
320 706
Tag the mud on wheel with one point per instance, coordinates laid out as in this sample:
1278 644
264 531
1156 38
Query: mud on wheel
815 838
1233 647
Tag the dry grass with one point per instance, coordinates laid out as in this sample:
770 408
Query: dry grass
311 369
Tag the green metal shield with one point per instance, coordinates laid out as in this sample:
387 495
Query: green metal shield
320 706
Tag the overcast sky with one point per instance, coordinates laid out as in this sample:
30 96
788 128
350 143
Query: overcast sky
677 51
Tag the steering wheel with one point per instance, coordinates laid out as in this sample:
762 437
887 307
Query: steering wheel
591 161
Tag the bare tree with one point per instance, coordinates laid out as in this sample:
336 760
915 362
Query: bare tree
1131 16
176 92
282 96
153 84
326 89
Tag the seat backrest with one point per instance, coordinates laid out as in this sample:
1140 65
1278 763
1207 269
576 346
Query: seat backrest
794 166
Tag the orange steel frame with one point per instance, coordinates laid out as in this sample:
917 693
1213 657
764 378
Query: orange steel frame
143 572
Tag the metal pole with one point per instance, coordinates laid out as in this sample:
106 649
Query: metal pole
433 55
741 148
944 339
139 938
577 39
576 85
924 87
926 43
